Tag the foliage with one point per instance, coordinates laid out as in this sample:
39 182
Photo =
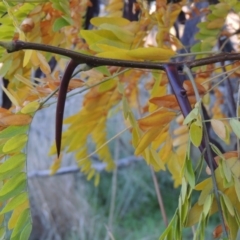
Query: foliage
106 55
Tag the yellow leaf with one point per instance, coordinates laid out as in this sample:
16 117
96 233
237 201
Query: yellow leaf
97 179
203 184
228 203
118 54
156 119
155 161
34 58
97 36
166 150
196 133
219 128
151 53
30 107
27 57
194 215
181 130
146 139
116 5
216 24
16 213
160 139
118 21
10 96
43 64
119 32
167 101
56 165
180 140
15 120
109 48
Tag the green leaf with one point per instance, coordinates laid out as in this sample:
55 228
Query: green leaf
23 221
15 143
15 202
13 162
60 23
189 173
30 107
167 231
191 116
228 203
26 232
196 134
235 124
5 67
207 204
13 131
13 185
184 190
226 170
104 70
106 86
2 233
237 187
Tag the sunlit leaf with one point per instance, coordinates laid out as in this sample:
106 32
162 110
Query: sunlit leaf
118 21
156 119
30 107
27 57
13 162
15 202
16 213
191 116
56 165
23 220
60 23
146 139
151 53
12 131
43 64
16 120
13 186
10 96
15 143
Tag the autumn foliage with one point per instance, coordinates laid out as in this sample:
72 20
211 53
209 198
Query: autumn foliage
164 128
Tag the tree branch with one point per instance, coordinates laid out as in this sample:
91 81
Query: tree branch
13 46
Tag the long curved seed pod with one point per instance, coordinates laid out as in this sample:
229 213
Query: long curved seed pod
61 102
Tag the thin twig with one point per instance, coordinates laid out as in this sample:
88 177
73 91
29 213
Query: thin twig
114 190
159 197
